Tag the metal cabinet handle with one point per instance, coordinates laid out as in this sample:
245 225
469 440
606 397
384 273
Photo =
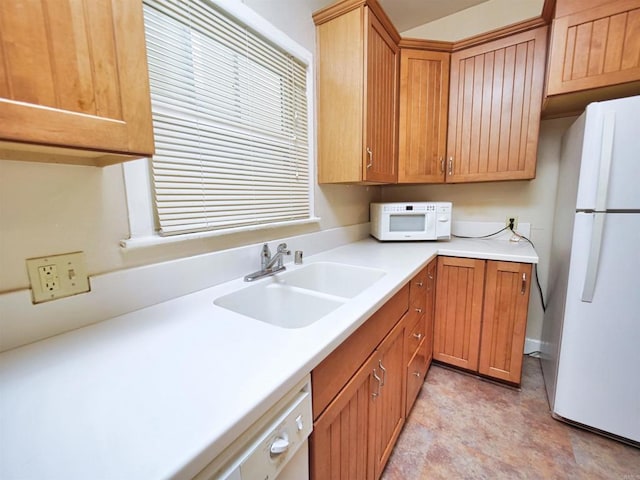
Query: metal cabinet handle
417 374
524 284
418 336
370 153
450 166
419 284
384 372
442 165
419 310
376 393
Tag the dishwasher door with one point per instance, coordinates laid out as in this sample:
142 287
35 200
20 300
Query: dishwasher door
276 447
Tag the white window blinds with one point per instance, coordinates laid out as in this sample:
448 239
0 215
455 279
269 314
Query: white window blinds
230 122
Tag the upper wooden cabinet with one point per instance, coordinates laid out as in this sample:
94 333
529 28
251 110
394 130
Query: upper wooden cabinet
593 54
357 72
424 96
73 81
494 108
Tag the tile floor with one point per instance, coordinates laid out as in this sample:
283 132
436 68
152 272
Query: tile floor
465 428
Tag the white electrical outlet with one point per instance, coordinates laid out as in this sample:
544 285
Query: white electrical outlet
515 221
57 276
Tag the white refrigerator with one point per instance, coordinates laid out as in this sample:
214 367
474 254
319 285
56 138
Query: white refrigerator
591 331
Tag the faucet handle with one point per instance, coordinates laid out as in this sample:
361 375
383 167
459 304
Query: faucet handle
282 248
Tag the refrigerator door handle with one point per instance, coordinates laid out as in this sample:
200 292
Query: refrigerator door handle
606 157
591 275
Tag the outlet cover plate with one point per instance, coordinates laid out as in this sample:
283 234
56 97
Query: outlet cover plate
57 276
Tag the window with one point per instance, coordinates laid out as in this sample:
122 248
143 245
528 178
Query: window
230 119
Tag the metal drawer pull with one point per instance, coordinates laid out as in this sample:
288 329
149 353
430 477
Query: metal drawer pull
377 393
417 336
441 164
419 284
524 283
419 310
384 372
417 374
370 153
450 166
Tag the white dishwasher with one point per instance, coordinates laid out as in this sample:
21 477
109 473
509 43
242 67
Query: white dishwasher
275 447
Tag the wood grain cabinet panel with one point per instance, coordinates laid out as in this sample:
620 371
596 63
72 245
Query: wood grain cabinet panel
494 108
389 405
481 316
458 314
380 164
342 435
359 397
424 95
73 74
593 54
595 48
504 321
357 72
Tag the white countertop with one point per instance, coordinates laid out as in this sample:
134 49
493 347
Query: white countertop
161 391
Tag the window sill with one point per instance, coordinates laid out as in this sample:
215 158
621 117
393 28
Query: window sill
155 240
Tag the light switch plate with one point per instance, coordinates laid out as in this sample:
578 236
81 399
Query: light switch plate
57 276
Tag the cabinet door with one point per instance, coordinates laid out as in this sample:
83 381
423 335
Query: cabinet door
494 108
595 48
389 405
458 315
506 302
74 74
424 95
342 435
380 149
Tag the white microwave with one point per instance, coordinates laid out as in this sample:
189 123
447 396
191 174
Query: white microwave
411 221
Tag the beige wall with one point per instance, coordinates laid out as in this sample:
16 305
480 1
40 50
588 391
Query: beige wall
49 209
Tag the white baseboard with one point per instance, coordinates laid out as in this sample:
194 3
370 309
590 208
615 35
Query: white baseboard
532 345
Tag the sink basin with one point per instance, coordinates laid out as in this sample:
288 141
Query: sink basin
279 305
299 298
333 278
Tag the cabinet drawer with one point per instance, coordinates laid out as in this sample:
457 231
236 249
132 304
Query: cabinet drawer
416 333
418 286
416 371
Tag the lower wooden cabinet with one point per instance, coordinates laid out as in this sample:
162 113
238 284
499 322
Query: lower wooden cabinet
388 400
504 320
342 435
361 390
481 316
458 317
420 337
354 436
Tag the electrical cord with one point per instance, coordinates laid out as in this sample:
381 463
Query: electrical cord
535 269
483 236
535 265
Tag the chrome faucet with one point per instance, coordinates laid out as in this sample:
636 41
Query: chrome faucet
269 265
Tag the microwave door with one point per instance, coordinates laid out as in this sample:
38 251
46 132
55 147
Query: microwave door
405 223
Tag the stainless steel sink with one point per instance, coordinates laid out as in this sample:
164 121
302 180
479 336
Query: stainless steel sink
299 298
